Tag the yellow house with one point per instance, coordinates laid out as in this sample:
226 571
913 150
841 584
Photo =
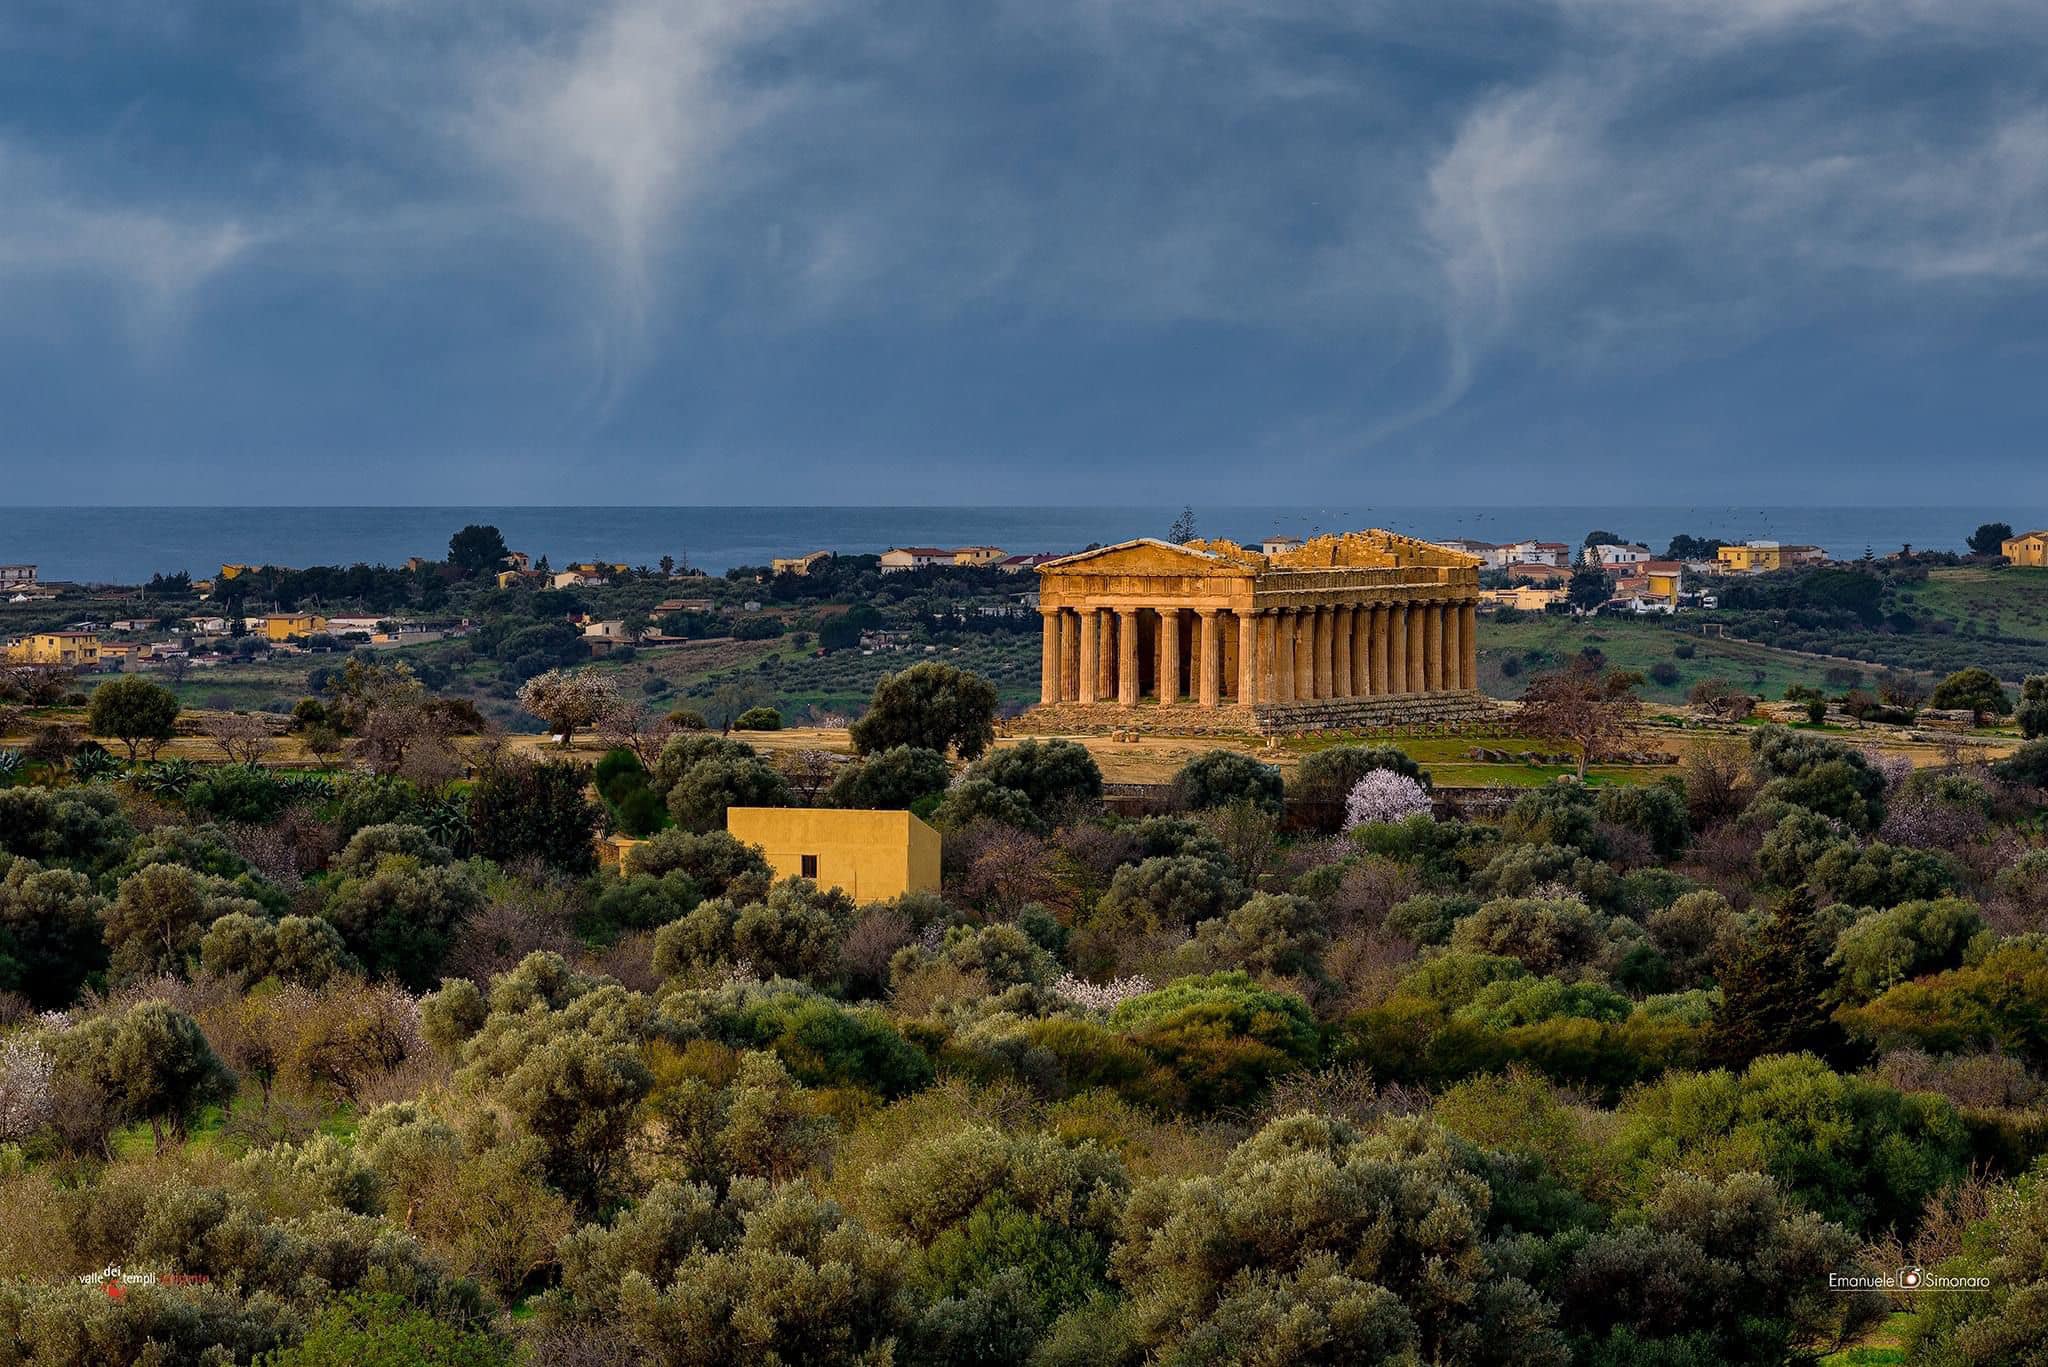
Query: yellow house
1525 598
284 626
236 571
2028 548
1666 578
870 855
798 564
63 649
1758 557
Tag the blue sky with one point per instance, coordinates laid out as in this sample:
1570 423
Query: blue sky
756 251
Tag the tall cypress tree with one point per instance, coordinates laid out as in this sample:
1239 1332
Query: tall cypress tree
1778 993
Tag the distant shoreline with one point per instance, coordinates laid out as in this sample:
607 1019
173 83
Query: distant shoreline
125 544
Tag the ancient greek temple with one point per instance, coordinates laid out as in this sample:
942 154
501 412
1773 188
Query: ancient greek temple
1361 629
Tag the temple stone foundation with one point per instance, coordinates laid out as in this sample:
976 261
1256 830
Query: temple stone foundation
1416 711
1365 630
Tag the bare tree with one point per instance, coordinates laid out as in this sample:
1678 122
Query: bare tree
626 724
1583 707
242 737
808 771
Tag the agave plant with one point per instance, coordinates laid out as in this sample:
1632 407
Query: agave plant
304 785
448 822
91 762
11 764
168 778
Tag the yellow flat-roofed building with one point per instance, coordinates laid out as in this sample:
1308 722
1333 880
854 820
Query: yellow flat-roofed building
62 649
869 855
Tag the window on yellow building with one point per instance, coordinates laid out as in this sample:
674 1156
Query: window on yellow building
810 866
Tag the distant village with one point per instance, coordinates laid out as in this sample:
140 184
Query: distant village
1605 574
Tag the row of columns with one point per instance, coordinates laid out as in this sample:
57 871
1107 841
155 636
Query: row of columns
1284 655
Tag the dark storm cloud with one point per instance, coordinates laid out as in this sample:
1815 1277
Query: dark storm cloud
782 249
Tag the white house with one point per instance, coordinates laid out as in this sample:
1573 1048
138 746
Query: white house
1486 553
1535 553
1617 557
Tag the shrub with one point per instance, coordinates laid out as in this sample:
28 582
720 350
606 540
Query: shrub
1973 690
1165 892
1221 778
2032 712
1993 1003
699 799
1856 1151
400 918
1655 811
1318 1242
50 933
522 810
1545 936
1882 950
1330 775
758 719
158 916
1223 1036
795 932
1819 774
2026 766
1056 776
897 778
717 862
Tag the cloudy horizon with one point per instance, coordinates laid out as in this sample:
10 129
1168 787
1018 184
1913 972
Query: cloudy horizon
759 251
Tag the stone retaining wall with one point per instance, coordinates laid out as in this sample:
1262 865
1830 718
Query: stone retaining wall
1392 712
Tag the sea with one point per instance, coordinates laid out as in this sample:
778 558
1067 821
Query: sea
126 545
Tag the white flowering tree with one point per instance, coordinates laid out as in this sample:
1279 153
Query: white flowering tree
1384 795
567 699
25 1073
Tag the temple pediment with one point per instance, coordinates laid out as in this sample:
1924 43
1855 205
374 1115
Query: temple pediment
1148 556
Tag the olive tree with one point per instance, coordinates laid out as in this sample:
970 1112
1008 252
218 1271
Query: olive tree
134 711
931 705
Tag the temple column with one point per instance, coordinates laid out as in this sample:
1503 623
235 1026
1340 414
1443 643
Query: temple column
1247 658
1047 656
1169 655
1304 655
1418 680
1105 653
1210 643
1340 658
1091 659
1433 648
1468 646
1452 653
1326 653
1127 656
1361 652
1283 655
1397 648
1070 655
1269 664
1382 649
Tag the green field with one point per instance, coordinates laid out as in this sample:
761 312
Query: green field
2007 602
1511 652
